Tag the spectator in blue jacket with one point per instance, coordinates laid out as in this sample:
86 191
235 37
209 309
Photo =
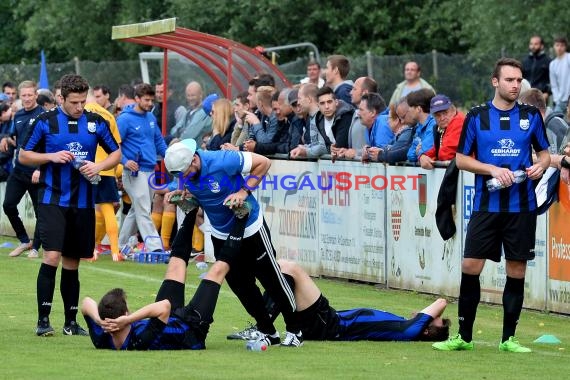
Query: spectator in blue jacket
418 115
397 149
336 72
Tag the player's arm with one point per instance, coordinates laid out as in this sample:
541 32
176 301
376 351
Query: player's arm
89 308
258 166
436 309
471 164
112 160
160 310
539 167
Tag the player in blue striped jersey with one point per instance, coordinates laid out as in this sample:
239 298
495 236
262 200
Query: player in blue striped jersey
497 139
66 210
166 324
320 321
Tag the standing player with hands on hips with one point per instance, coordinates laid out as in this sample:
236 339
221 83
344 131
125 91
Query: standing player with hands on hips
498 139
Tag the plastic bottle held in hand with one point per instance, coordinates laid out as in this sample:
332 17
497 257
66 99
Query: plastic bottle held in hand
255 345
493 184
135 173
79 162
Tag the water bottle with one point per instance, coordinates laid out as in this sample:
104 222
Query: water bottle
185 204
78 163
241 211
255 345
135 173
493 184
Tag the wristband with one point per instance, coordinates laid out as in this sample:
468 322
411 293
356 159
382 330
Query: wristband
564 163
246 189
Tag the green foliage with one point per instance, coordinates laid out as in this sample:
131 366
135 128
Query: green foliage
69 28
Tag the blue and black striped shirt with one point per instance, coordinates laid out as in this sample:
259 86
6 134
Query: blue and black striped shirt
504 139
54 131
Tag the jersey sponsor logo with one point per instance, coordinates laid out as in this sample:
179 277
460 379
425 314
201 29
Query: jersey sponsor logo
77 149
504 118
152 124
524 124
213 185
506 149
91 126
31 121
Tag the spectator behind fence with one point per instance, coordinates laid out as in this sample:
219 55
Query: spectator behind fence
338 67
446 135
289 131
412 82
241 129
419 114
357 134
301 113
560 75
319 142
337 117
196 122
263 127
314 74
397 149
536 66
222 124
174 111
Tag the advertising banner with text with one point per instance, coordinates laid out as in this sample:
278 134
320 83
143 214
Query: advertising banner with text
352 220
289 197
418 258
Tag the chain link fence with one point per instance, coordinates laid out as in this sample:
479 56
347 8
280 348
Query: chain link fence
464 79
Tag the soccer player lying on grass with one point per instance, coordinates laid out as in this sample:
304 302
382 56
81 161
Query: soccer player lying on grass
320 321
165 324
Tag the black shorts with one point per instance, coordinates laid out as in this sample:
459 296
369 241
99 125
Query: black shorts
106 191
68 230
487 232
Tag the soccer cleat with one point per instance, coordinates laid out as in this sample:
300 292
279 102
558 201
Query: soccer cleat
454 343
292 339
44 328
249 333
20 249
513 345
74 329
33 254
268 340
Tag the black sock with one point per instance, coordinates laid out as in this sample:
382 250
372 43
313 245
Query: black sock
469 296
182 244
513 297
69 288
45 288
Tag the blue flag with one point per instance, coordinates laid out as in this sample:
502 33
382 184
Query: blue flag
43 83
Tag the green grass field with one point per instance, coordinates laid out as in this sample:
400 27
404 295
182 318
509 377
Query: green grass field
25 356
